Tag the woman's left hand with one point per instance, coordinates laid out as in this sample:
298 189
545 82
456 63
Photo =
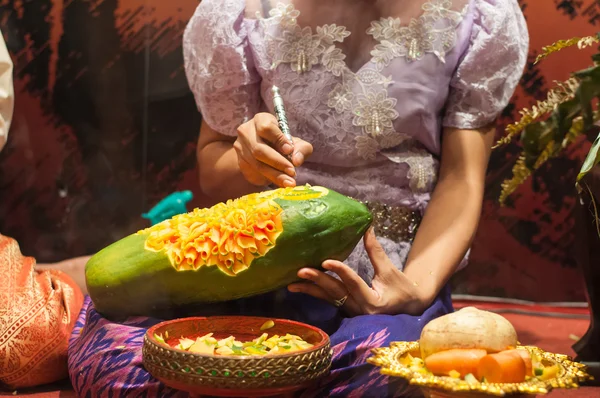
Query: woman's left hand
391 292
74 267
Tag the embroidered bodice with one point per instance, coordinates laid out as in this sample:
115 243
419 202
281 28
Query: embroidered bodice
375 130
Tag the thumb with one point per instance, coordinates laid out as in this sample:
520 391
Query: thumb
302 151
380 260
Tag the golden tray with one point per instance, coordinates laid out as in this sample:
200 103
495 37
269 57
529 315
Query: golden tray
571 374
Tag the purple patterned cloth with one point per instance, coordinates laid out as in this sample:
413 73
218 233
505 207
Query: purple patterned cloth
105 358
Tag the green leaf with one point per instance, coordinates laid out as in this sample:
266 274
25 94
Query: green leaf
591 160
585 94
587 91
591 72
535 138
562 118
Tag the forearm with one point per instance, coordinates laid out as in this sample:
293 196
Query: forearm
445 234
220 176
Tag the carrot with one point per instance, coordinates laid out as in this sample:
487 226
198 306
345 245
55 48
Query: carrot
526 358
502 368
462 361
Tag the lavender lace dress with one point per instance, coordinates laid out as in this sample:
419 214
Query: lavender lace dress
376 133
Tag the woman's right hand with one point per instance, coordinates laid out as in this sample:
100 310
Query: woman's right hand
263 152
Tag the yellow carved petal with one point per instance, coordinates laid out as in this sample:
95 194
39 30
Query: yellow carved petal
239 267
229 235
263 249
225 270
261 237
246 242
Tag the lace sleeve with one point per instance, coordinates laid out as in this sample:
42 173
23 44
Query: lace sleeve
219 65
491 67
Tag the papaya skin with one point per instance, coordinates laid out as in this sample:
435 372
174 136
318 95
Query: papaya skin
125 279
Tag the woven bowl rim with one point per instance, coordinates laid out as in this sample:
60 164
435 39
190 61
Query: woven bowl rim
325 341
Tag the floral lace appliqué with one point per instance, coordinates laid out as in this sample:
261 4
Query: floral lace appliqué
301 48
364 93
340 99
433 32
422 168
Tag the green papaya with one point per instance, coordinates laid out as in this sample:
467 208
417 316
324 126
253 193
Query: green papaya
251 245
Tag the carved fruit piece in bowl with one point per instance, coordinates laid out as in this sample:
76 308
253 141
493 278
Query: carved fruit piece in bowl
230 376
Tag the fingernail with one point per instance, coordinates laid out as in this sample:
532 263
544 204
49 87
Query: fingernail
371 231
290 171
298 158
288 182
306 274
326 265
287 149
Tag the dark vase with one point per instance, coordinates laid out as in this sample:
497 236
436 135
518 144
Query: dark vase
587 233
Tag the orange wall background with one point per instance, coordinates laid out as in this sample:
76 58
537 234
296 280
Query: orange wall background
105 126
525 249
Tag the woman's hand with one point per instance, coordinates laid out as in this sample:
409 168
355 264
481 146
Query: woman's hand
74 267
391 292
262 151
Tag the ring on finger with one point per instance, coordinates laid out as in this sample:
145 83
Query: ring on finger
340 302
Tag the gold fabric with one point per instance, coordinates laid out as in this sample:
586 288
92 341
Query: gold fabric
38 310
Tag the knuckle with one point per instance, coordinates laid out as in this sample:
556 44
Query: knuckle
242 129
258 152
263 126
263 121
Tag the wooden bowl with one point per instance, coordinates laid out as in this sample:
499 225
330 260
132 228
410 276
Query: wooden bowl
230 376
